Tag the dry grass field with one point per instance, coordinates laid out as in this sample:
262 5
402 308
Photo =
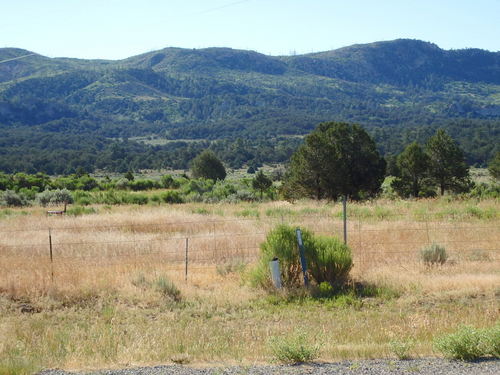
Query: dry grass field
105 298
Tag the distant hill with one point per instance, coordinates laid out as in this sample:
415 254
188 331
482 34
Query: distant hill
398 90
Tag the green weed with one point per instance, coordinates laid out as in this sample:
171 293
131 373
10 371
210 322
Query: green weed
469 343
294 348
401 349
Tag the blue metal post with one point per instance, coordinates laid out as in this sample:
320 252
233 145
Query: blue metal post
302 256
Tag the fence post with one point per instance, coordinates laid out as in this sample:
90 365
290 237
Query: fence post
215 241
302 254
51 257
186 260
427 229
362 256
344 216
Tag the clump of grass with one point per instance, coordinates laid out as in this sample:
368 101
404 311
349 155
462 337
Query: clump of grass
141 282
80 210
479 255
376 291
167 288
294 348
401 348
248 213
234 266
434 255
181 359
279 212
469 343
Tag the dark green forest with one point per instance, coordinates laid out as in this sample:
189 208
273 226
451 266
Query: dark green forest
162 108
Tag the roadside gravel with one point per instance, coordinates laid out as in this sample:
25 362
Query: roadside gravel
364 367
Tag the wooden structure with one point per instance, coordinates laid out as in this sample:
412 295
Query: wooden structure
57 212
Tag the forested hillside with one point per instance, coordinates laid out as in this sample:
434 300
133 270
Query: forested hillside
161 108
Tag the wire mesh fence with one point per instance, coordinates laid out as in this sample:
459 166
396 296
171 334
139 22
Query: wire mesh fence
191 247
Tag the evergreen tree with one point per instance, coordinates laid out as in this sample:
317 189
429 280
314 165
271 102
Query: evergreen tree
447 167
207 165
336 159
261 182
494 166
413 167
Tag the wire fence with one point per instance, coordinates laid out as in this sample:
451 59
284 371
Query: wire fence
191 247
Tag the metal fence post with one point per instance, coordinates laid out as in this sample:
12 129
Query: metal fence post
51 257
186 260
303 262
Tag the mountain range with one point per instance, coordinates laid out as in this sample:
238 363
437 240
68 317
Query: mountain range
161 107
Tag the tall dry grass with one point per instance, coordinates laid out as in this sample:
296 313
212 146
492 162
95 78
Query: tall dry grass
94 249
98 303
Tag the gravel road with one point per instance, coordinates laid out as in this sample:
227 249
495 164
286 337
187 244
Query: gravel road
365 367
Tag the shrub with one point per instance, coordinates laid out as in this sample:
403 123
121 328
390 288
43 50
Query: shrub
110 197
493 341
330 261
241 196
469 343
434 255
223 189
294 348
83 198
199 186
122 184
134 198
172 196
79 210
12 199
281 243
140 185
58 196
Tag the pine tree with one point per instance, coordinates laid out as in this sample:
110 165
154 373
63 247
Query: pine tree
413 168
494 166
336 159
261 182
447 166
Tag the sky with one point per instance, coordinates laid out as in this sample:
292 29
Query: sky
116 29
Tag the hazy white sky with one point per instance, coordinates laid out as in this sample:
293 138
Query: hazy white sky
115 29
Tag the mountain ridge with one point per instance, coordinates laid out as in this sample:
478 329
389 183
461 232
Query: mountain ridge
391 88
